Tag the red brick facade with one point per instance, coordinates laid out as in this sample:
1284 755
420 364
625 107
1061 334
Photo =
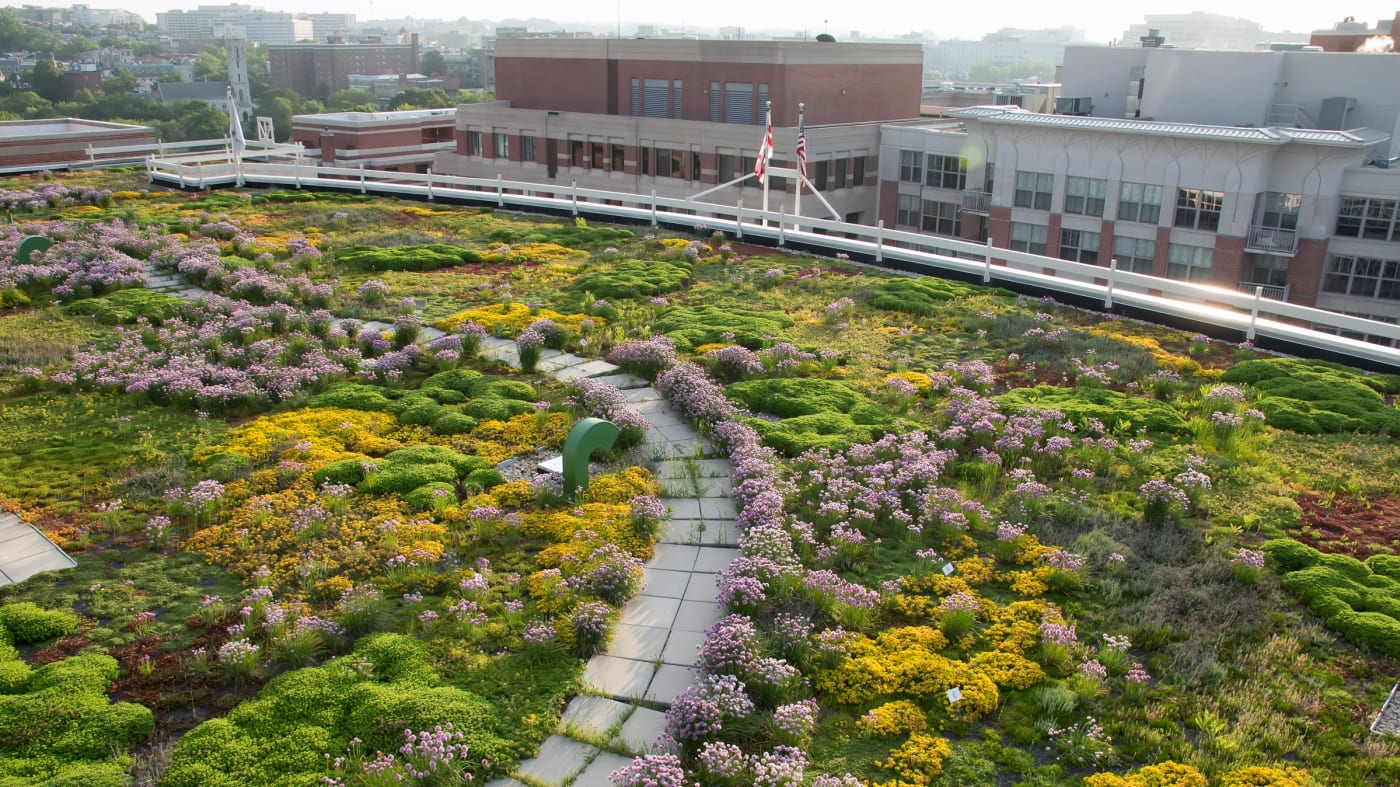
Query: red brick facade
32 145
317 70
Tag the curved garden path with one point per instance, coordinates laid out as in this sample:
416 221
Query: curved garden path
655 644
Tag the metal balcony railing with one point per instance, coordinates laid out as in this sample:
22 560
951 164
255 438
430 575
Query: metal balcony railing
976 201
1272 240
1271 291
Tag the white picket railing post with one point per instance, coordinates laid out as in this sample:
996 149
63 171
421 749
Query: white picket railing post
782 224
1108 291
201 176
430 184
987 262
362 177
739 220
653 207
573 192
500 191
880 240
296 171
1254 312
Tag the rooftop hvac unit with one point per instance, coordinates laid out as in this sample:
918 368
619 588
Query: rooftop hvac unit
1334 112
1010 99
1074 106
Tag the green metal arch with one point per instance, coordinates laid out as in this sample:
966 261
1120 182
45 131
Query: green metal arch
30 244
587 436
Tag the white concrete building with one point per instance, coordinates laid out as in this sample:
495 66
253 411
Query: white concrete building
1198 30
1306 213
235 21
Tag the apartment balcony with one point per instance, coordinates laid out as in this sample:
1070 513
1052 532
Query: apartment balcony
1272 240
976 201
1271 291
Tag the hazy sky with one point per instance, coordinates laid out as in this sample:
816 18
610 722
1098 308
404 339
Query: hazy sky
1102 20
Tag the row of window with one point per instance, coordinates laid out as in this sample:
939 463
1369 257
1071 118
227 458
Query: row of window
730 102
1197 209
1368 277
1184 261
944 172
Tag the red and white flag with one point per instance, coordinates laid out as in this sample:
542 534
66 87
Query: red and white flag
801 143
765 151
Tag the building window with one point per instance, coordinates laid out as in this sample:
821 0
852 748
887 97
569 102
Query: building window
694 165
1085 196
502 145
636 97
738 102
1278 211
527 148
656 98
1199 209
676 99
858 171
818 178
908 213
595 155
1028 237
911 166
1189 263
1367 277
716 113
1079 246
1269 269
1034 190
618 157
473 143
1140 202
747 163
576 153
678 164
644 160
725 164
840 174
990 177
947 172
941 218
762 102
1134 254
1374 219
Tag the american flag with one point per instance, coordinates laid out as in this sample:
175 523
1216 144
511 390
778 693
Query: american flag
765 151
801 145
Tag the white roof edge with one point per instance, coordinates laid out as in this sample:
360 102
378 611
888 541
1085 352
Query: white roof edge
1358 137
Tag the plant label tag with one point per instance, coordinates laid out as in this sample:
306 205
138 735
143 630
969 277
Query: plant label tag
954 694
583 342
947 569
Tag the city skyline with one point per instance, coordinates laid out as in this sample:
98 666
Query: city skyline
1101 22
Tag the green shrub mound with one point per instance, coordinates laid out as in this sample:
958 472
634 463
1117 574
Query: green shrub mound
345 471
426 257
451 422
833 431
422 414
1315 397
789 397
1348 595
352 396
281 736
495 408
409 401
1112 408
485 478
634 279
406 469
916 296
27 623
505 388
444 395
461 380
57 726
125 306
1385 565
578 235
425 497
226 466
689 327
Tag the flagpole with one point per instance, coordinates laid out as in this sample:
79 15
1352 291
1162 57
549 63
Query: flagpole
767 156
797 203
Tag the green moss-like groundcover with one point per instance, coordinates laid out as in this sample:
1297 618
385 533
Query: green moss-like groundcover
1112 408
689 327
1360 601
1313 397
634 279
282 736
815 413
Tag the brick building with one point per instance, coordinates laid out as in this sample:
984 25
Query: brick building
32 145
680 116
317 70
397 141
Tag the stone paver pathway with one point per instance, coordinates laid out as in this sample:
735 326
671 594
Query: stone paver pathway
24 551
651 658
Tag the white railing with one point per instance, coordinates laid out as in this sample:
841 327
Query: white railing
1251 314
975 201
1271 240
1271 291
